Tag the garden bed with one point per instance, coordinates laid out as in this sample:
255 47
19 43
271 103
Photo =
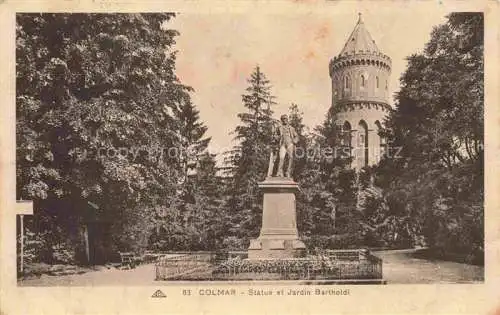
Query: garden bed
342 265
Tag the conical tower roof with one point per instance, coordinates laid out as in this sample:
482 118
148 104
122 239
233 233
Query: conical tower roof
360 40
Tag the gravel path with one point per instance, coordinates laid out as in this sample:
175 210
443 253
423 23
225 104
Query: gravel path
141 275
399 266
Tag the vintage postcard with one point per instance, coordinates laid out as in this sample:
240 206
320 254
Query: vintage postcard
250 157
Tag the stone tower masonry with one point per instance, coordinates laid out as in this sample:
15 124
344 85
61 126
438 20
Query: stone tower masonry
360 93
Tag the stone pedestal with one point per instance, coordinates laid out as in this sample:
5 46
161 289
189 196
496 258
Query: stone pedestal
279 236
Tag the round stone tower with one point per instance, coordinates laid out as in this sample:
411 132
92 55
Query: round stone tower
360 93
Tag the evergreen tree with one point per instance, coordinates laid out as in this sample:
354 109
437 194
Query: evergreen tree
253 132
201 201
250 158
193 144
192 133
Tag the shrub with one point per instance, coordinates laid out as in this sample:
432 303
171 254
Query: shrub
36 248
345 241
233 243
63 254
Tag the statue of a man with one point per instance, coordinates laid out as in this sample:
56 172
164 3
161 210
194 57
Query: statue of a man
286 138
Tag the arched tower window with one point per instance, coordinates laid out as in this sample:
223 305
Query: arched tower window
362 80
386 86
376 79
347 82
382 139
362 149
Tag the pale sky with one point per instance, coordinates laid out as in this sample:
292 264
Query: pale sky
217 53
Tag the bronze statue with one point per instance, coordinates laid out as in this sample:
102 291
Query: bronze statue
284 140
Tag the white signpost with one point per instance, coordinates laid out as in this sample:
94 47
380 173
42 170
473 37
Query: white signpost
23 207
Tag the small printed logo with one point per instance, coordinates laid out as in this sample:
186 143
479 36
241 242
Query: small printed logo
159 294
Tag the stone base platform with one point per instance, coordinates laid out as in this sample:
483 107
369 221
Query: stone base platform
278 237
276 248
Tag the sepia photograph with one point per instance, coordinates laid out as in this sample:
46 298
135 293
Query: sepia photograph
256 157
274 148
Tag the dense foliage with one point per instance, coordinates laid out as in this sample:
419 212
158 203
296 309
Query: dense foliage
436 188
102 121
114 153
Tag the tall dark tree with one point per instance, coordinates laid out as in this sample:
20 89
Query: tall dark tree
192 133
94 99
253 131
194 144
326 207
249 159
295 116
200 190
435 186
